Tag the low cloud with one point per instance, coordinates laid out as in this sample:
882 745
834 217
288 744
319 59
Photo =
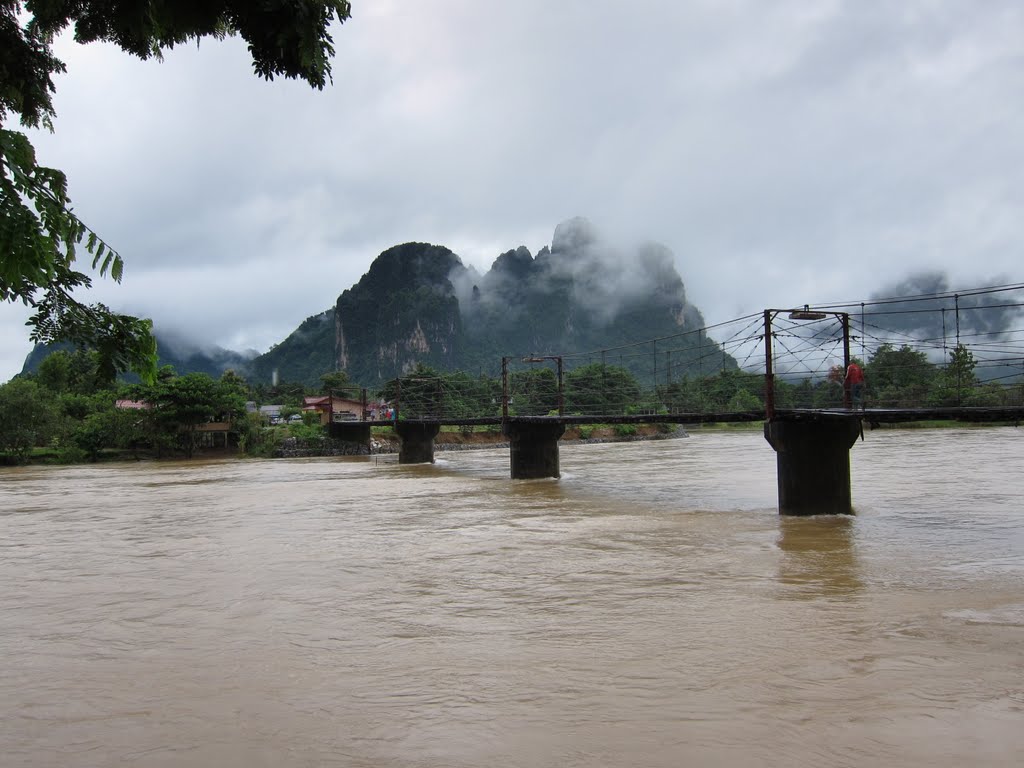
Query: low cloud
941 314
602 277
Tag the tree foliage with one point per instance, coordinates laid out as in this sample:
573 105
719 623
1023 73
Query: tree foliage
289 38
40 236
899 378
533 392
108 427
600 389
28 418
426 393
74 372
179 405
957 382
39 239
338 382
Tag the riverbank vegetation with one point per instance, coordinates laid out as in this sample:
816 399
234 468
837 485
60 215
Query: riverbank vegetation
70 410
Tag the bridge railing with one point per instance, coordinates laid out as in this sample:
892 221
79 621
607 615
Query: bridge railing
937 350
436 396
941 350
617 393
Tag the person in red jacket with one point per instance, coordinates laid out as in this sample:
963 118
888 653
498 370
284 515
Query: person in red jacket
854 382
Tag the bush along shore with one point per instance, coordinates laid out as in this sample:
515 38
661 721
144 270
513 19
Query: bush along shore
388 442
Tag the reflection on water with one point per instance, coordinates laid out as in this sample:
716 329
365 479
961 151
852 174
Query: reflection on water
819 555
650 609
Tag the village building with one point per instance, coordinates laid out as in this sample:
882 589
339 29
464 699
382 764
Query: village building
332 408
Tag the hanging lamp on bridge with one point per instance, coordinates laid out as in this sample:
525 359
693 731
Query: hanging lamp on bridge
806 314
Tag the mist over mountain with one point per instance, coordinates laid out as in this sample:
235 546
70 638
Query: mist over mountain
419 304
173 349
582 293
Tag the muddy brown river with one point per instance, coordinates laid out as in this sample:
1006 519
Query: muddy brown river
650 608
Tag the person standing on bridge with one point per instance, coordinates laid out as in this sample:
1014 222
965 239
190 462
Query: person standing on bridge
854 383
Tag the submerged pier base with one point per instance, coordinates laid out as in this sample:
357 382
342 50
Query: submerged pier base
813 459
533 448
417 441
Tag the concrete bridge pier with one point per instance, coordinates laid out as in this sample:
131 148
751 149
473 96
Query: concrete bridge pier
351 432
813 459
417 441
533 448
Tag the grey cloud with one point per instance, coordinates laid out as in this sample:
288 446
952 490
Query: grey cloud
948 315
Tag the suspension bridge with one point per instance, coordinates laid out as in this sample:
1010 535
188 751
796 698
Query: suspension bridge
942 356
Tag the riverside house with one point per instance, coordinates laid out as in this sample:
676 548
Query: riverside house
333 408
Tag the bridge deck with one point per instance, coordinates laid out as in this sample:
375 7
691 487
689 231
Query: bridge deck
1010 414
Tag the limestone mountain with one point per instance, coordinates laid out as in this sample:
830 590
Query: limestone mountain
419 304
403 311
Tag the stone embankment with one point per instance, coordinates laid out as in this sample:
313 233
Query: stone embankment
301 447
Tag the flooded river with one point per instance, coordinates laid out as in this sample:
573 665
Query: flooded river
648 609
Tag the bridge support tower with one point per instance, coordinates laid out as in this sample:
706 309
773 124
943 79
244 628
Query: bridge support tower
351 432
813 459
417 441
533 447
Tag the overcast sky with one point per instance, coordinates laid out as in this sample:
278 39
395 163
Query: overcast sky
787 152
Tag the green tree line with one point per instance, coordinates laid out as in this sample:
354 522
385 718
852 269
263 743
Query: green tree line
72 408
70 404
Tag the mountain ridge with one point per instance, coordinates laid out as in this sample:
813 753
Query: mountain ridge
419 304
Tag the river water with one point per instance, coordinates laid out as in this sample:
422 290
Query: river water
650 608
